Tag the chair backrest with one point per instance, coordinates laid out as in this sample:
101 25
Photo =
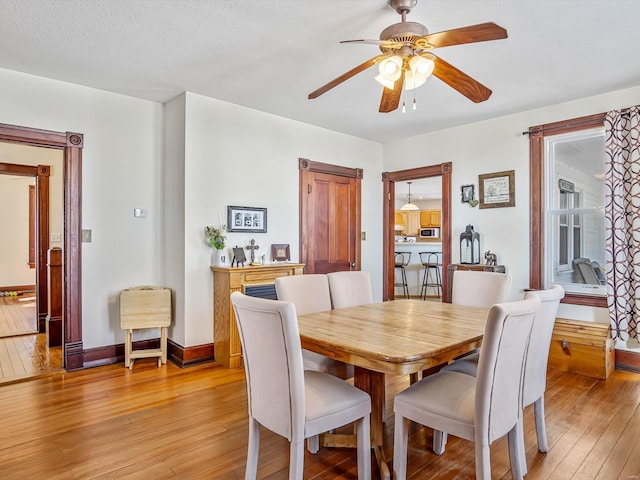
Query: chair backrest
585 272
501 367
480 289
309 293
535 376
349 289
401 258
273 363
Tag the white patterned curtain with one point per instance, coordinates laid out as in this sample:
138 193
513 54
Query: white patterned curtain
622 220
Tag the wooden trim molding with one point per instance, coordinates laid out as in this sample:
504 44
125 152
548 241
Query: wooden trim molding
388 208
71 143
319 167
536 201
626 360
189 356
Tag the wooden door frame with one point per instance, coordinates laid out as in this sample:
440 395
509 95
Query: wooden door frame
307 166
41 174
388 216
72 144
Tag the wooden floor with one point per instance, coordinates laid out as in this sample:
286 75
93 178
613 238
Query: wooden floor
18 315
171 423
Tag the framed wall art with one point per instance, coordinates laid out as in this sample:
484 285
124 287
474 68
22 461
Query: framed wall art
280 252
246 219
467 193
497 189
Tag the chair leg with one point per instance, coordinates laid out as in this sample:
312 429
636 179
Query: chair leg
514 453
541 429
522 453
439 441
254 447
400 440
364 448
313 444
296 459
404 283
127 349
483 462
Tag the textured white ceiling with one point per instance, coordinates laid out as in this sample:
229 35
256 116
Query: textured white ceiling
269 54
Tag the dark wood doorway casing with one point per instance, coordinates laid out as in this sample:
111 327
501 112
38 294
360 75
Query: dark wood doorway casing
41 174
340 240
388 240
71 143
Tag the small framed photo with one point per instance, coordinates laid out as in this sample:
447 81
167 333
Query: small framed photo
497 189
467 193
246 219
280 252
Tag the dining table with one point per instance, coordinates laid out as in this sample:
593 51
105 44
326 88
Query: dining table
399 337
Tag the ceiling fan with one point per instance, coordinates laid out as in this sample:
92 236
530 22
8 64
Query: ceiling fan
407 58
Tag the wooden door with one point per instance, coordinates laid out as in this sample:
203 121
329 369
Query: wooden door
329 217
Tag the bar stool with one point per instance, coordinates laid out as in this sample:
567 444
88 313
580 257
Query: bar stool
401 260
432 276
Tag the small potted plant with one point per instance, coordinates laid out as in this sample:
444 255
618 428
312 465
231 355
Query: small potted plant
215 236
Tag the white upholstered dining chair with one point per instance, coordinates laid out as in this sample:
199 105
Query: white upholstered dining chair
310 294
535 376
482 408
283 397
350 288
480 289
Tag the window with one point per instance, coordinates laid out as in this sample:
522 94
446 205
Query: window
574 211
567 208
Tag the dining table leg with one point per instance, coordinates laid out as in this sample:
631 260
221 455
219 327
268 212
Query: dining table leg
373 383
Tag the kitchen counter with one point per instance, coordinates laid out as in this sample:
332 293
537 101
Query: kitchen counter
415 269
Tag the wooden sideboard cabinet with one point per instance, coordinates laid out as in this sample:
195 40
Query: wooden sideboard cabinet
477 267
226 280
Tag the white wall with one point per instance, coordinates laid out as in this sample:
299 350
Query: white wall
238 156
121 171
492 146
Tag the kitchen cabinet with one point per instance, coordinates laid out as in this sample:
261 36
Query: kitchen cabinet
411 223
429 218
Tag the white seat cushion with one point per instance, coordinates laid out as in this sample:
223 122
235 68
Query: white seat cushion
444 401
330 401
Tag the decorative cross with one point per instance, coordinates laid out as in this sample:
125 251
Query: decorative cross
252 248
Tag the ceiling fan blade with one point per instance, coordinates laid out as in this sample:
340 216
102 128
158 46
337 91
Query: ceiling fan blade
460 81
382 43
346 76
474 33
391 98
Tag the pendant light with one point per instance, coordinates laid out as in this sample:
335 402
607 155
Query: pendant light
408 207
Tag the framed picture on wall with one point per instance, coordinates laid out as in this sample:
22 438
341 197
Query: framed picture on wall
246 219
497 189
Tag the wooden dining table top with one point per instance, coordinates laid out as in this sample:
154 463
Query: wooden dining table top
398 336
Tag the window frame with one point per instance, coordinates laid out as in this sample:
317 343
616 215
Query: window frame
537 195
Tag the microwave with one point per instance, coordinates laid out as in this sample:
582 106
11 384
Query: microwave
429 233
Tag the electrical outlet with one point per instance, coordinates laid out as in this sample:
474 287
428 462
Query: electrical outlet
56 238
86 235
364 235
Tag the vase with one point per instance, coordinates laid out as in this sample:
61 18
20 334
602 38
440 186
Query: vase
219 257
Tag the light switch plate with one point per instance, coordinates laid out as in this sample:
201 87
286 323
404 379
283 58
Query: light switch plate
86 235
56 238
364 235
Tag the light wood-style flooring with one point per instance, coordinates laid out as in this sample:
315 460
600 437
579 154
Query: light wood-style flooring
171 423
18 315
23 352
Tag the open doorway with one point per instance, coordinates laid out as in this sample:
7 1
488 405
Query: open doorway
71 145
398 180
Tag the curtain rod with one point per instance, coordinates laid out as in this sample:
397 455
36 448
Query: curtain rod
625 112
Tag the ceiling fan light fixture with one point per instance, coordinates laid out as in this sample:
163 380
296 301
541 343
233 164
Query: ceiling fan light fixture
420 68
390 70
